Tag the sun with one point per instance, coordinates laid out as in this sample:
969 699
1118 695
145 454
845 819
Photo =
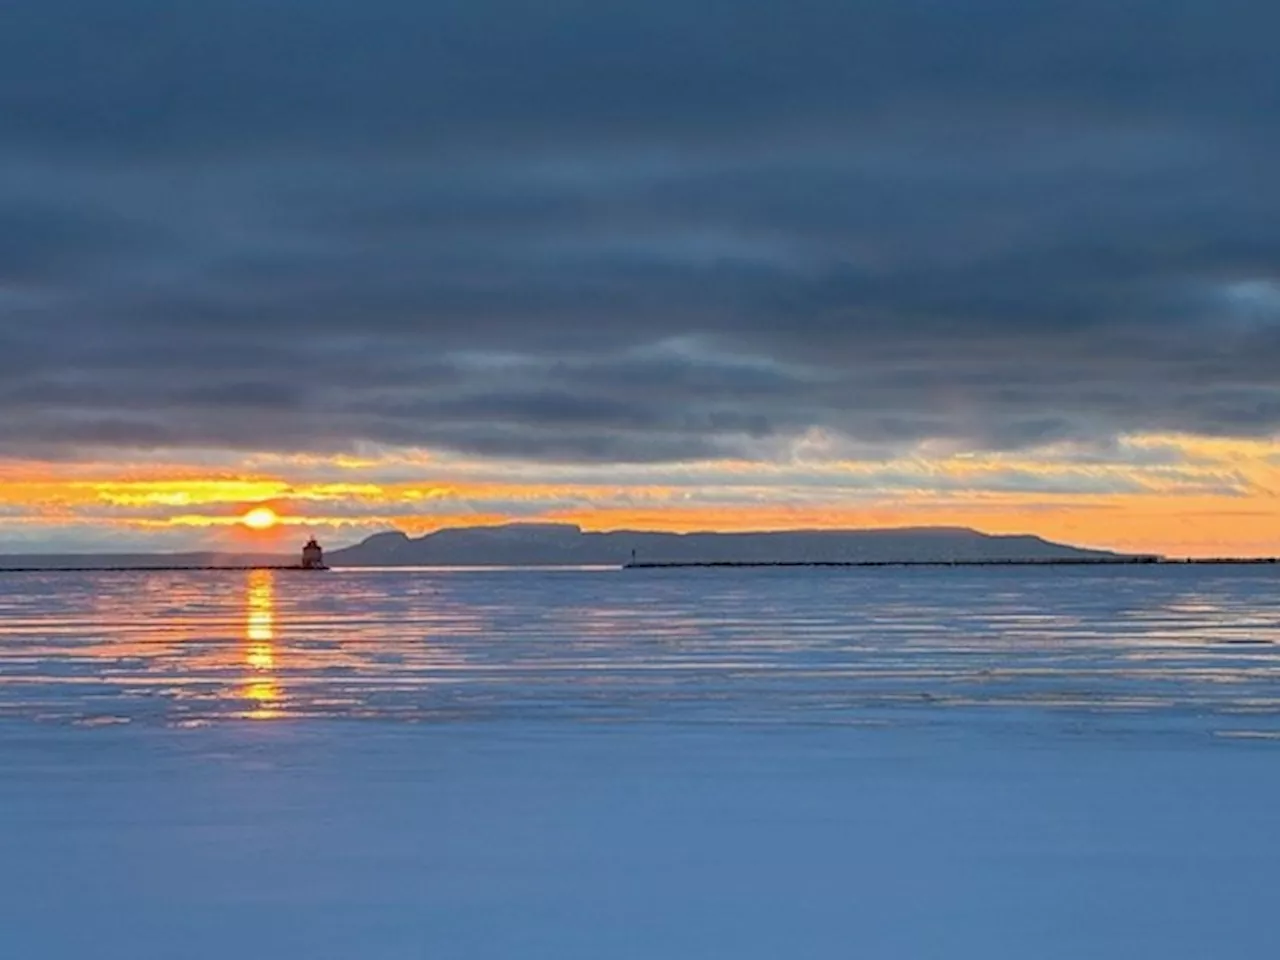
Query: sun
260 518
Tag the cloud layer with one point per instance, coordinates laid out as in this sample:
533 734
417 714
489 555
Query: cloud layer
614 232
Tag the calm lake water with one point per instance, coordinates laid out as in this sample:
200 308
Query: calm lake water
596 764
808 646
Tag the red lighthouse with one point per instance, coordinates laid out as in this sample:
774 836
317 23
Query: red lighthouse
313 556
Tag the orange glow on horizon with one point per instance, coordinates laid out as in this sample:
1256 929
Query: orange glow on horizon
1176 495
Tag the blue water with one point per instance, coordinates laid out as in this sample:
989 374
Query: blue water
892 763
776 646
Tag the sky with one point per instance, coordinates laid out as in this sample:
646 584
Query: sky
679 264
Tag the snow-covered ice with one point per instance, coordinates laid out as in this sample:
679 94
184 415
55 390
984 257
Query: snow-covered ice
988 763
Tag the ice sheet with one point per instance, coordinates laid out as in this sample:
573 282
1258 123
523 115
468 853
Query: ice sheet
1045 763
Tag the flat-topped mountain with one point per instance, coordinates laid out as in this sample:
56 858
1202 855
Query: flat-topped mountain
543 544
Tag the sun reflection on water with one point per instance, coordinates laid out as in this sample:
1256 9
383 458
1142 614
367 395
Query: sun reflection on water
196 647
261 689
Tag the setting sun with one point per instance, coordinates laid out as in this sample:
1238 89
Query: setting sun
260 518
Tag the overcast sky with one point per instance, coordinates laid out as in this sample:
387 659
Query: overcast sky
616 240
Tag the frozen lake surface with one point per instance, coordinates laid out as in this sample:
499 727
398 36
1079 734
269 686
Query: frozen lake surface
901 763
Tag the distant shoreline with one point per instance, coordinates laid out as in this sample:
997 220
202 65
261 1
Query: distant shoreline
687 564
1049 562
161 569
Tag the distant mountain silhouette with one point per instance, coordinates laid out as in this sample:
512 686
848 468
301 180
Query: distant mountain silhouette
542 544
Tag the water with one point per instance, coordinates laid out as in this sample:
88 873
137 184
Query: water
986 762
754 646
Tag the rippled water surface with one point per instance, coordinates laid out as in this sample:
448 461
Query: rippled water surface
1195 644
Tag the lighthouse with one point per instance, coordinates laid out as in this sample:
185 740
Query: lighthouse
312 556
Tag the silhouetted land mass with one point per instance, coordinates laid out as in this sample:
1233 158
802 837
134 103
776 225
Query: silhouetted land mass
538 544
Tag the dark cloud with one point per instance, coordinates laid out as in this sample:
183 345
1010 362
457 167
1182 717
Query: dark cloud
620 231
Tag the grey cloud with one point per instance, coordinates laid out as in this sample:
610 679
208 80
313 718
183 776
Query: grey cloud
674 230
143 74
